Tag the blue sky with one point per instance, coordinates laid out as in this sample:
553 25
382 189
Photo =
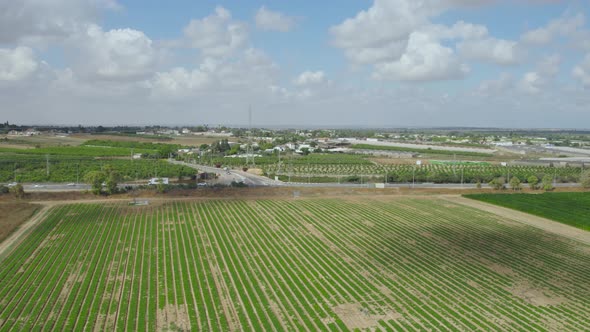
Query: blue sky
386 63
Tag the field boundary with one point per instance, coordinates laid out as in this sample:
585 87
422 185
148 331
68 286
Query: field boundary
545 224
21 232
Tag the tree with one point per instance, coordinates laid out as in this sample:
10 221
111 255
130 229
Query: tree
160 186
515 183
95 180
112 179
547 183
533 182
18 191
497 183
585 179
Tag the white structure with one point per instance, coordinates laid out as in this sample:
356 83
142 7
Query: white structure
154 181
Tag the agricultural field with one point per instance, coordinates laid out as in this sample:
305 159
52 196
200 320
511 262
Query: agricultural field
568 208
72 169
437 173
421 150
13 214
86 151
331 264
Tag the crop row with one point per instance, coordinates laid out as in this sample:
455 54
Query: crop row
429 173
69 170
396 264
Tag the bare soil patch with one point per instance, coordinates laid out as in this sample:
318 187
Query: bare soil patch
534 295
355 316
12 215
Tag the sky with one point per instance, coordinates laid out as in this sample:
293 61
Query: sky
345 63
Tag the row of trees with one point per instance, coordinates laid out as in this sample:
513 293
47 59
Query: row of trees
533 182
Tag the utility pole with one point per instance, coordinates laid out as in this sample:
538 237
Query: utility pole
47 164
279 169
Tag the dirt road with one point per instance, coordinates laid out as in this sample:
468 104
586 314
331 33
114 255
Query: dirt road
525 218
21 232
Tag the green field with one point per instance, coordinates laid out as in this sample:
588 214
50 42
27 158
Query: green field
85 151
568 208
365 263
437 173
69 169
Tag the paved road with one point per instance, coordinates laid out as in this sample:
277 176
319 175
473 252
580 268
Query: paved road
252 180
226 177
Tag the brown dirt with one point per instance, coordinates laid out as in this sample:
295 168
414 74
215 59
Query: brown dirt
535 296
354 316
13 214
525 218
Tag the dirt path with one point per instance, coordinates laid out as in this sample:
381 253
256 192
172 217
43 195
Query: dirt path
525 218
20 233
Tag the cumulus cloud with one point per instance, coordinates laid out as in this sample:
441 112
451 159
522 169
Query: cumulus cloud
534 82
252 69
17 64
498 51
310 77
38 20
118 54
582 71
563 26
217 34
424 60
398 38
496 86
381 32
269 20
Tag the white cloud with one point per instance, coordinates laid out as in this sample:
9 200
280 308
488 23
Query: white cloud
459 30
399 40
310 77
120 54
563 26
38 20
581 72
273 21
381 32
534 82
17 64
424 60
252 70
497 86
179 81
497 51
216 34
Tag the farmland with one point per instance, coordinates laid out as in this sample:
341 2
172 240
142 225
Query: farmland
71 169
326 264
421 150
569 208
438 173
